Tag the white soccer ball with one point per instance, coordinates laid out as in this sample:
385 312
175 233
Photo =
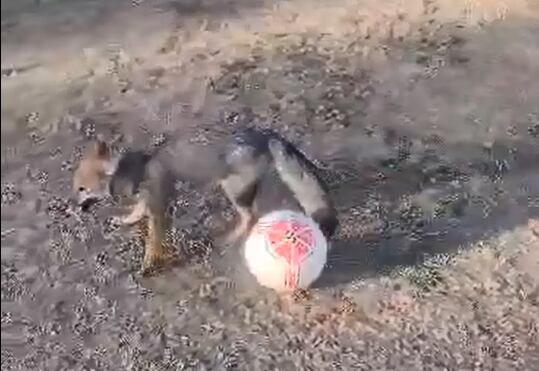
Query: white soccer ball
286 250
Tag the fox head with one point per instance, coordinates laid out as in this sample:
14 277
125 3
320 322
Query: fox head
90 177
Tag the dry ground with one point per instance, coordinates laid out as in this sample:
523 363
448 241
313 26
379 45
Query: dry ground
423 114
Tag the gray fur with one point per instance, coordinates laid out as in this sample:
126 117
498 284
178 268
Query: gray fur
239 165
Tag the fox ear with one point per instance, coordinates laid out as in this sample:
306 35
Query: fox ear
101 148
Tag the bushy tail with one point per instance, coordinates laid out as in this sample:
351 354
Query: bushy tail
299 174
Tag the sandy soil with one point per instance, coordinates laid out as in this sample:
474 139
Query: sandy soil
423 115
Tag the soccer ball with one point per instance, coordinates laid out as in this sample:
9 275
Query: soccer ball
286 250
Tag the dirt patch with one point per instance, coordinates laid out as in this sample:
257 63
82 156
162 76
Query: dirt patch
423 118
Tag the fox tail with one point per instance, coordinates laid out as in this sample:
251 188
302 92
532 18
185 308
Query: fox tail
300 176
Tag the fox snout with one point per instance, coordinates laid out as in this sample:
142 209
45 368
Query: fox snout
84 199
86 204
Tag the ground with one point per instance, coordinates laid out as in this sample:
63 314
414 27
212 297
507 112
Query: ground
422 114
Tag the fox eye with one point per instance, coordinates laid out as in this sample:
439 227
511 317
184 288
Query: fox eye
82 189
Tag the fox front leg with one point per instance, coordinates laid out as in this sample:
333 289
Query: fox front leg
139 211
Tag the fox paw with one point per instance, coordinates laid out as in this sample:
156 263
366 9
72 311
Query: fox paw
127 220
235 237
229 240
152 264
116 221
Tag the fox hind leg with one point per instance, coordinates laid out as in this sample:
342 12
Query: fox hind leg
245 166
241 192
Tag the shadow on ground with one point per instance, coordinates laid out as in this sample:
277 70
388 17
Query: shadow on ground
431 208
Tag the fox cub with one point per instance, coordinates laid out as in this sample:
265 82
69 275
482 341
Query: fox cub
239 164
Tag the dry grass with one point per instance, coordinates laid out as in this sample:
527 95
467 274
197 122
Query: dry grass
423 115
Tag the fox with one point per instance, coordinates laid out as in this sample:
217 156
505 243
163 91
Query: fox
238 164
